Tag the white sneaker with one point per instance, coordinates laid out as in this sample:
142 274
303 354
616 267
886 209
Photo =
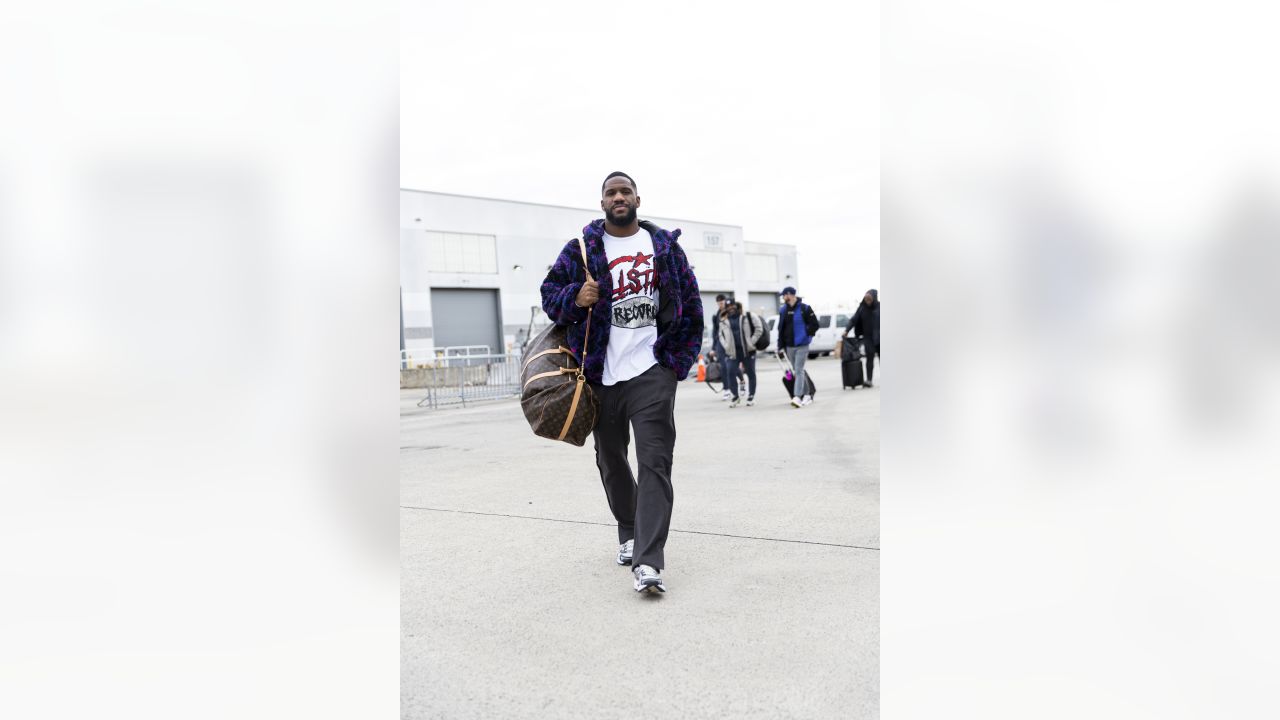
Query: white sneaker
624 552
751 401
808 400
647 579
725 395
795 402
736 402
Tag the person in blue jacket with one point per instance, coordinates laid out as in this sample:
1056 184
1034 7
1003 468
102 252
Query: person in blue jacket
797 324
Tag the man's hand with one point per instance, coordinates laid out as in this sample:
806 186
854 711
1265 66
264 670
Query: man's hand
588 295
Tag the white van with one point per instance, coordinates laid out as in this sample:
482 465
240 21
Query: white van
831 324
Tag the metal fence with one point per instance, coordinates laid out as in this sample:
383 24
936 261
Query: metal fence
410 359
461 378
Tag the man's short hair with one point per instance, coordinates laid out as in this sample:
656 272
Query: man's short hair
720 297
619 173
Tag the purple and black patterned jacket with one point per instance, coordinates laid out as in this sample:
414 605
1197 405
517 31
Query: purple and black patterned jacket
679 304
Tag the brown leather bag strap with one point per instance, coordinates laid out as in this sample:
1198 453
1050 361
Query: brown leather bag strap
573 407
581 380
582 245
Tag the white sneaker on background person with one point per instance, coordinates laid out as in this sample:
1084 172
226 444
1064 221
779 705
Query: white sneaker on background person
808 400
795 402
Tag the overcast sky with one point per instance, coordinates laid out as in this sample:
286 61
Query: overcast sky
761 115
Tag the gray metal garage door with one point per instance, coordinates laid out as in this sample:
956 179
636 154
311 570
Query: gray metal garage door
466 317
765 304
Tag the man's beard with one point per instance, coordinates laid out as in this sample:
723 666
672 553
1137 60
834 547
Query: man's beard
623 221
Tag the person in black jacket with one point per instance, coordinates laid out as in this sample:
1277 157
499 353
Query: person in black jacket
718 355
865 326
794 337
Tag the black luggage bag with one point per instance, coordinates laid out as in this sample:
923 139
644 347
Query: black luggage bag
790 383
852 374
715 372
788 377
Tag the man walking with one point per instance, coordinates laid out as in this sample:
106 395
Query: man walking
865 326
797 324
739 332
647 336
717 347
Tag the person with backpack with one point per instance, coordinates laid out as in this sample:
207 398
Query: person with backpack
797 324
740 335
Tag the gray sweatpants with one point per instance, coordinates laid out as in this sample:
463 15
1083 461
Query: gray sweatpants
797 356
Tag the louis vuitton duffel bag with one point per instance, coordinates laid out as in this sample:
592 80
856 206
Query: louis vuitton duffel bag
554 395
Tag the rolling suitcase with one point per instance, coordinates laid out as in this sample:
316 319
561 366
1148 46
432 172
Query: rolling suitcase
789 380
852 373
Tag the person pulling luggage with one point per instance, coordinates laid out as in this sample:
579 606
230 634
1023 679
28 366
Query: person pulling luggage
865 326
797 324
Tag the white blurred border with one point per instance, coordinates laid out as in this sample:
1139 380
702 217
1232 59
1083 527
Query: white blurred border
198 273
1080 225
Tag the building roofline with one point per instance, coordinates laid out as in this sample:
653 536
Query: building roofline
562 207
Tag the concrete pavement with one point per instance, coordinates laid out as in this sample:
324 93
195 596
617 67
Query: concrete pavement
512 606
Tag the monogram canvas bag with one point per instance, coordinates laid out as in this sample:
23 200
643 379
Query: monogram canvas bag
554 396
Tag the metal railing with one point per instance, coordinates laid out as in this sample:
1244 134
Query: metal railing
421 358
462 378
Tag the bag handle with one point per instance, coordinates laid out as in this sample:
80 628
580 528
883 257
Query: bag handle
582 364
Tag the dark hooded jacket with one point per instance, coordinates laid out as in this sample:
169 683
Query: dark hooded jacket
679 304
865 322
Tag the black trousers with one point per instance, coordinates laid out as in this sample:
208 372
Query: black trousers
748 367
872 350
726 370
641 505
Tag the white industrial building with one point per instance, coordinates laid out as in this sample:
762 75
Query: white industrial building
471 268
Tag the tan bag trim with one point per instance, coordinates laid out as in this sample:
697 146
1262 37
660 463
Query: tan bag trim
573 407
561 349
582 245
582 379
550 373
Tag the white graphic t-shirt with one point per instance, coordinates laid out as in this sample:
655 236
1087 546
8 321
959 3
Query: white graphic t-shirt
635 307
